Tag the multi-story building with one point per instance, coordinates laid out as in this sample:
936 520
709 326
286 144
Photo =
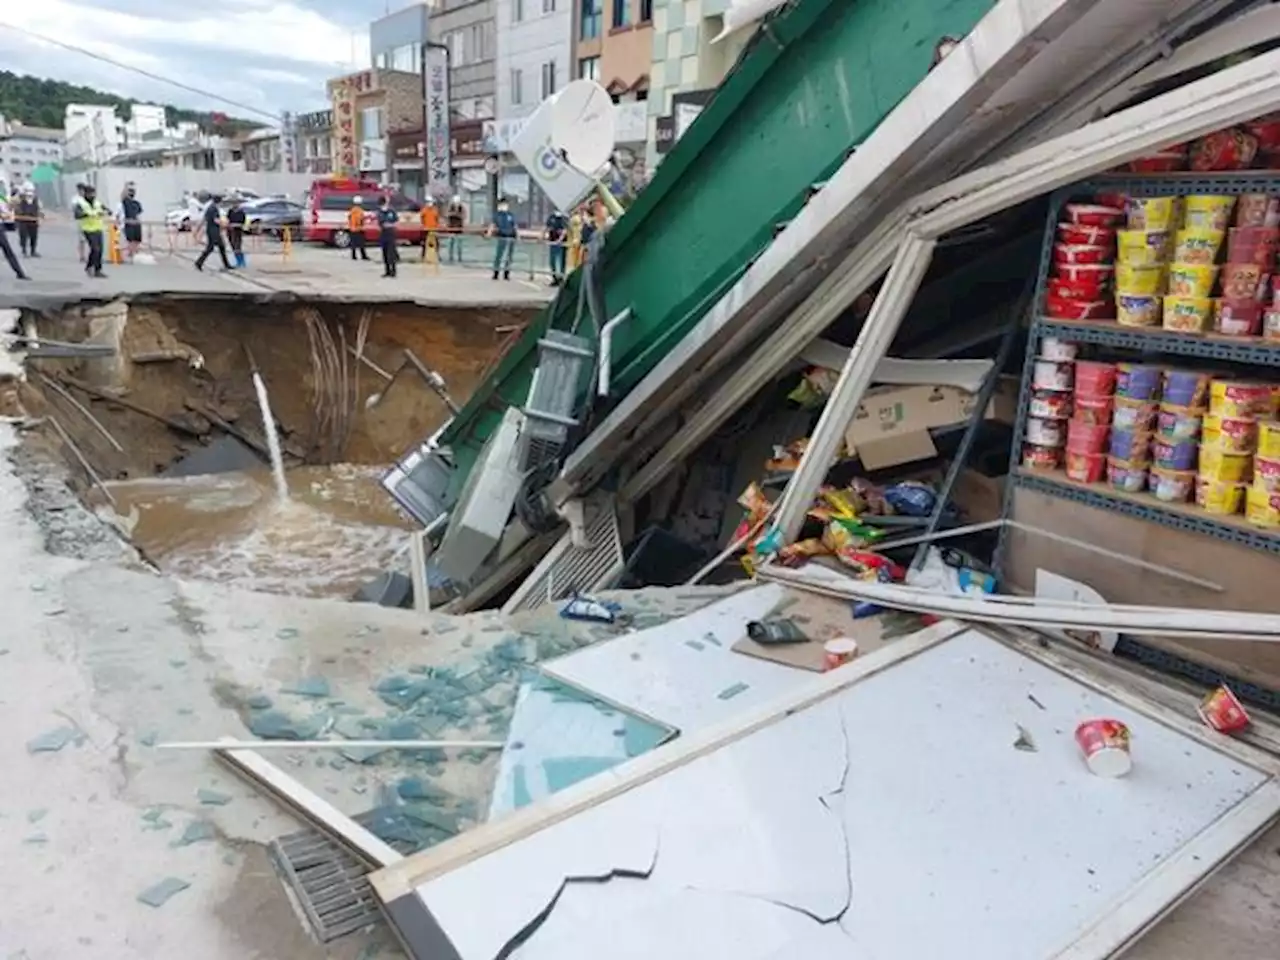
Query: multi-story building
399 41
315 142
92 135
368 107
262 150
27 152
146 122
613 45
468 30
687 66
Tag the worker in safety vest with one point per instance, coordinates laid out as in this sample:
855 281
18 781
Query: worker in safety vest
355 229
430 224
92 217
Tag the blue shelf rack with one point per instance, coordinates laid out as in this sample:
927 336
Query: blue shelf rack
1249 352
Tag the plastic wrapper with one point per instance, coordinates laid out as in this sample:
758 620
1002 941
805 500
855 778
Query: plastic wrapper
911 499
786 458
842 534
801 552
814 387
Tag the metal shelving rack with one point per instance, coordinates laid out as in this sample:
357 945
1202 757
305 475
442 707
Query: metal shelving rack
1154 342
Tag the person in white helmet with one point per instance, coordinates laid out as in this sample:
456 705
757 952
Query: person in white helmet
355 229
455 221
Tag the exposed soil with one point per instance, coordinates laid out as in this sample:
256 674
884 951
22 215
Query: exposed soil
189 363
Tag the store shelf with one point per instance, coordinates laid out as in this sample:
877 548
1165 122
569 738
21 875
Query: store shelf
1144 506
1251 350
1177 184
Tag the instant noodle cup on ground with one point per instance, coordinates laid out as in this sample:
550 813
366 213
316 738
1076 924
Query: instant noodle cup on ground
1222 711
1171 486
1086 437
1240 398
1197 246
1137 381
1126 475
1041 458
1086 467
1209 212
1269 439
1073 234
1190 279
1050 404
1186 388
1253 245
1137 310
1150 213
1105 745
1095 379
1240 280
1181 455
1218 496
1217 464
1133 415
1141 280
1142 248
1230 434
1178 424
1262 508
1093 214
1239 317
1187 314
1266 474
1094 410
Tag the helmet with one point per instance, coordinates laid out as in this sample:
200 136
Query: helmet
430 201
457 198
356 200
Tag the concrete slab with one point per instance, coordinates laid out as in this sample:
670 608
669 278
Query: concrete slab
310 272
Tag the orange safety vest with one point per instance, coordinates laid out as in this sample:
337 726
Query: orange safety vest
355 218
430 218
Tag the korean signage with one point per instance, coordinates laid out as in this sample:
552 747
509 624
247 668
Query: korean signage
437 132
346 152
315 120
467 138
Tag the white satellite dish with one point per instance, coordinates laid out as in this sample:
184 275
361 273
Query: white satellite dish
583 123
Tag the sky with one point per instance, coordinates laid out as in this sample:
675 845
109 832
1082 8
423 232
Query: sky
272 55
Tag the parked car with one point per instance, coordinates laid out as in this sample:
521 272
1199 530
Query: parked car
183 218
271 216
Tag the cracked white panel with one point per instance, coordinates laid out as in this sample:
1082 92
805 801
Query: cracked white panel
676 673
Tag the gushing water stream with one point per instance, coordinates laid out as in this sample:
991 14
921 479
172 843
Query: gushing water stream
273 438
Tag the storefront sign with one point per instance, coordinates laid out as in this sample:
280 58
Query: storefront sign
468 139
664 135
315 120
346 153
631 122
406 149
437 133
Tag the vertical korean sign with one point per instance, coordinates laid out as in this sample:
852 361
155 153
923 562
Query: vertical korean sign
346 154
437 132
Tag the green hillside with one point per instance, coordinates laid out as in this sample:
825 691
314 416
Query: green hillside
43 103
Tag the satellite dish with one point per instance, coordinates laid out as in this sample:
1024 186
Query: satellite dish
583 123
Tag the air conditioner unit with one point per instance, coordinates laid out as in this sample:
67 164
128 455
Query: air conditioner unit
477 520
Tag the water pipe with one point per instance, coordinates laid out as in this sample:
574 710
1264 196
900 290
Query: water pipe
606 347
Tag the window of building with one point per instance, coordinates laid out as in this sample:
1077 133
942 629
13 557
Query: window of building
621 13
517 11
517 84
646 11
405 58
591 17
382 61
589 68
548 79
371 123
457 48
548 6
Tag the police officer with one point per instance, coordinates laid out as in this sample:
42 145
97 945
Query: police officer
91 215
387 219
212 217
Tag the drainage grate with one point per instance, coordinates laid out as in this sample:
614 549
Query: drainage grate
567 569
328 882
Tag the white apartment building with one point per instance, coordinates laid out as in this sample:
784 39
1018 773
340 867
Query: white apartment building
534 59
146 122
24 149
93 134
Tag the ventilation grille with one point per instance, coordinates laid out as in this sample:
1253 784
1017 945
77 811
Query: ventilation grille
567 569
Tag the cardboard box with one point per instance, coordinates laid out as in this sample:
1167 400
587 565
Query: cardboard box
892 424
979 497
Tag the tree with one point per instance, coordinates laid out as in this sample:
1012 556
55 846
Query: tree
43 103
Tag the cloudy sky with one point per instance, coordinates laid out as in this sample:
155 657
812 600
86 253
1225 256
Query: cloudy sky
270 54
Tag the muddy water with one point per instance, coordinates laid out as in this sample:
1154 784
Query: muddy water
337 530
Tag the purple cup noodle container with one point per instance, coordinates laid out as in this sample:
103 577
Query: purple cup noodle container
1186 388
1130 444
1175 456
1137 381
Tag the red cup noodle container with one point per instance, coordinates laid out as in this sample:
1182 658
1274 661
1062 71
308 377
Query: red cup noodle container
1062 309
1105 745
1086 437
1094 379
1081 253
1165 162
1094 215
1240 317
1078 234
1222 711
1077 289
1086 467
1255 245
1095 410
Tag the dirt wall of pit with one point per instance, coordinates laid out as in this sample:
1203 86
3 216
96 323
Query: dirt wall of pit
182 376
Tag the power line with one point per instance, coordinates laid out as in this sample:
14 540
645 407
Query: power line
138 70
